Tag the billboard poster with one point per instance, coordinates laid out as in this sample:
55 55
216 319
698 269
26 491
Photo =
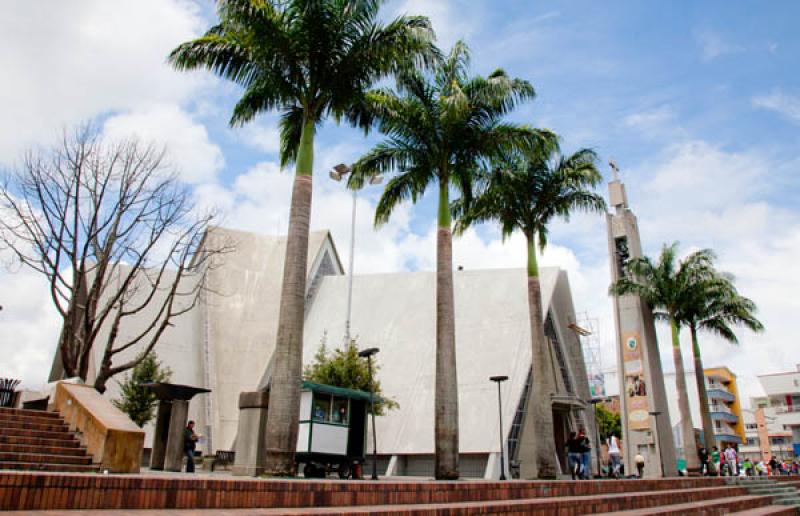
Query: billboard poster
597 385
635 386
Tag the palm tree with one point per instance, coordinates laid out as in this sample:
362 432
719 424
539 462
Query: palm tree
525 193
714 305
438 128
307 59
667 286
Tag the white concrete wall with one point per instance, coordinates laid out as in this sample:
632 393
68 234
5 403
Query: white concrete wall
396 313
242 321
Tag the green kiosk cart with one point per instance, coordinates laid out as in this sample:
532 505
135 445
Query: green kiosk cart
333 429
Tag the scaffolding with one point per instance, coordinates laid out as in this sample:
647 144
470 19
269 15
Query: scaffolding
592 353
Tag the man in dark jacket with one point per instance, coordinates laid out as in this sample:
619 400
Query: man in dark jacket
702 454
586 455
574 449
189 443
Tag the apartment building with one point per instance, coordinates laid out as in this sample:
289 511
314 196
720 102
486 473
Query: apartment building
772 425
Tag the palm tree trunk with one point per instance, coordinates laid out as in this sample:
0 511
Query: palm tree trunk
539 419
687 429
708 427
446 396
284 398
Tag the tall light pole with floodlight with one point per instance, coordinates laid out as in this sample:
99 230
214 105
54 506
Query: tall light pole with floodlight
594 402
368 354
655 414
499 380
339 173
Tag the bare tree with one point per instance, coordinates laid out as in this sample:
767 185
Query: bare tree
116 234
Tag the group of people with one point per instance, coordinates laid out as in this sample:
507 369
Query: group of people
579 452
728 463
579 455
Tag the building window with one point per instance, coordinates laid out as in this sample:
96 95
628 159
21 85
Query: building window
752 441
751 426
322 407
622 254
777 440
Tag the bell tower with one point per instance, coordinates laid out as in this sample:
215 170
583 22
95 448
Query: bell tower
643 400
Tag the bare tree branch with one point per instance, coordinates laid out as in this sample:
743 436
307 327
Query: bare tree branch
116 234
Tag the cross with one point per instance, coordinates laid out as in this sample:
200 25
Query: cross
615 168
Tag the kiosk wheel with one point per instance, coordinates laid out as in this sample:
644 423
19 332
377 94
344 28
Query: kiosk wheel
310 470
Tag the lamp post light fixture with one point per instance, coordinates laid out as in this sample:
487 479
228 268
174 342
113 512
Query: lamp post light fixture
499 380
655 415
594 402
368 354
339 173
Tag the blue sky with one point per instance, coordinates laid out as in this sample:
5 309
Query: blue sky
698 102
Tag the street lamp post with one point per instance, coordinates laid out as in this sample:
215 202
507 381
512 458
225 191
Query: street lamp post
655 415
368 354
499 380
339 173
594 402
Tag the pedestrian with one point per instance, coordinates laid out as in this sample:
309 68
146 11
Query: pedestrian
773 466
715 460
747 468
702 454
614 455
586 455
639 459
573 447
731 460
189 444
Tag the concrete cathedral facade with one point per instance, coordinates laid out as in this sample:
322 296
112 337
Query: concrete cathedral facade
226 341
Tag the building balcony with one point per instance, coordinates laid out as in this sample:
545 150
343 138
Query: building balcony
726 436
727 416
786 409
720 394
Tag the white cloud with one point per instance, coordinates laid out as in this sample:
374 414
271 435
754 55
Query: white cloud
712 45
262 135
72 61
29 326
786 105
452 20
772 47
188 146
651 120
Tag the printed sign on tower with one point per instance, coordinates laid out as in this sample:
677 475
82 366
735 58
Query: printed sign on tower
635 386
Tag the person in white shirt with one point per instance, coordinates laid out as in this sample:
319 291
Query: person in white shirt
614 455
731 460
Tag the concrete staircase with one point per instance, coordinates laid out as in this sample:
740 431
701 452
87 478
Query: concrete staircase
782 493
36 440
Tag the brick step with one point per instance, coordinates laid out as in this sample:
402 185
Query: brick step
236 493
66 441
37 466
21 432
48 450
53 426
25 418
707 507
29 412
43 458
46 491
548 506
769 510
